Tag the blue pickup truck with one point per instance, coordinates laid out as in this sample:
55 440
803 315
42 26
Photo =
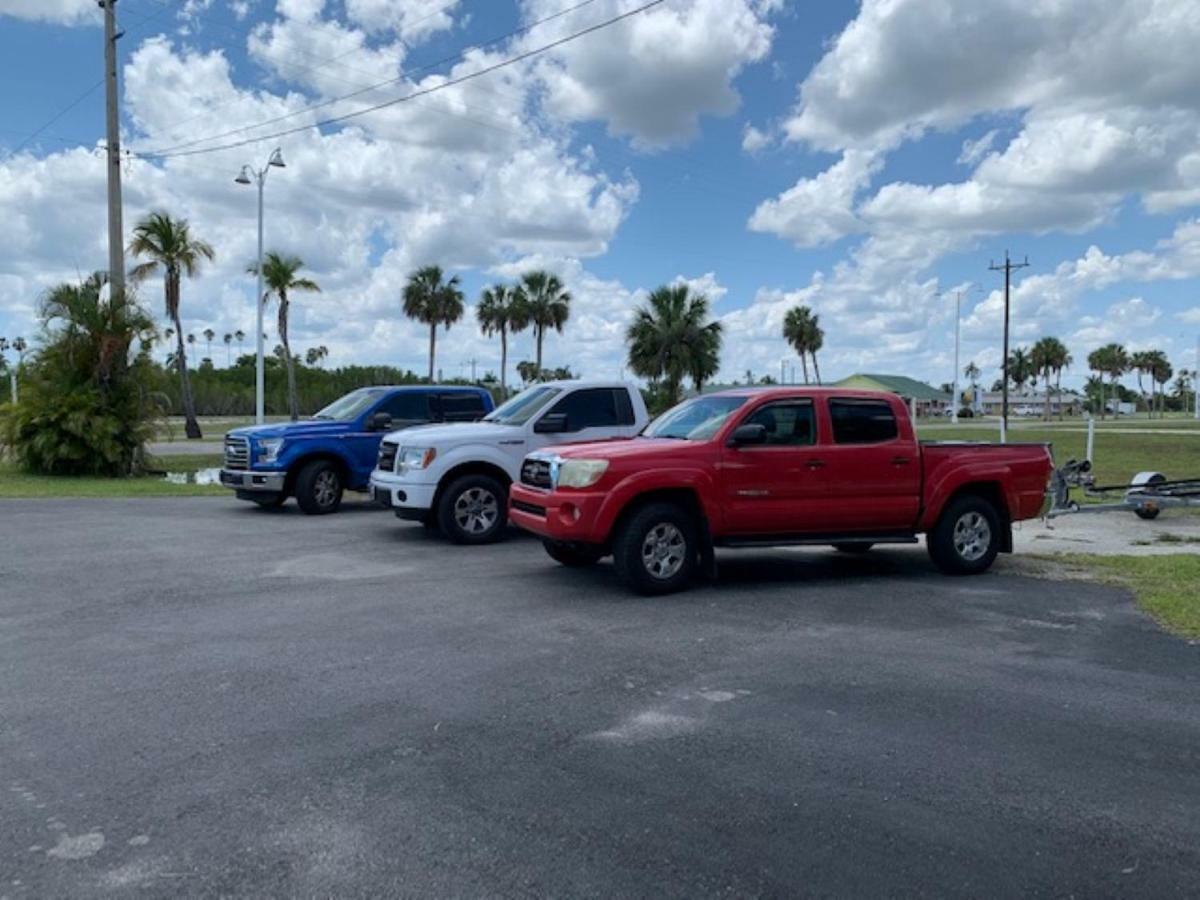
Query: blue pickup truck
316 460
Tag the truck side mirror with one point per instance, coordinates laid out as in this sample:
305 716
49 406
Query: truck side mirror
551 423
380 421
745 435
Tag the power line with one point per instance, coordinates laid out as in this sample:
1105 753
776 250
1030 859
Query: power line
171 151
74 103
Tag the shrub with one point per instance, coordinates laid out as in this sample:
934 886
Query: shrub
86 406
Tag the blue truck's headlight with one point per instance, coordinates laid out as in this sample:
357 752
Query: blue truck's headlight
268 451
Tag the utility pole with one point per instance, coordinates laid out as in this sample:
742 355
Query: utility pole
112 118
1007 268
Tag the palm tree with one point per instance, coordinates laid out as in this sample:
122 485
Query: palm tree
280 278
797 331
1095 361
228 339
1142 362
433 302
1048 355
1160 374
209 334
671 338
816 340
168 243
314 355
500 311
1019 367
543 303
239 336
1111 360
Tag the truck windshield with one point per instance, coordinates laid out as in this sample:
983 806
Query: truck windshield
351 406
521 408
694 420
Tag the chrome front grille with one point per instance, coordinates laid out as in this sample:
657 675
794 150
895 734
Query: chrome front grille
387 456
536 473
237 453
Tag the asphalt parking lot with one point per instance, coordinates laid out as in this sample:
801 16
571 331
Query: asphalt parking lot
199 698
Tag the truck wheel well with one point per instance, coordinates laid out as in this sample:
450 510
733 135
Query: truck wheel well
684 497
993 494
471 468
289 484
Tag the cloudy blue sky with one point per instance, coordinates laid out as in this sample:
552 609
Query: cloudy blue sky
865 159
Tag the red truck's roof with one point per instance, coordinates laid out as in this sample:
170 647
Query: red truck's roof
803 389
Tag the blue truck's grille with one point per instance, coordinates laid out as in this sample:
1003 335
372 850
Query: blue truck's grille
237 453
387 456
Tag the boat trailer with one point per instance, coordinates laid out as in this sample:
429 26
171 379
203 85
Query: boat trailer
1148 494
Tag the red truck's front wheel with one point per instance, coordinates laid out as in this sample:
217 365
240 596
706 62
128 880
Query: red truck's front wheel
655 550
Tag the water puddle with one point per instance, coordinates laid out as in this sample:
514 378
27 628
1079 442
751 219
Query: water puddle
199 476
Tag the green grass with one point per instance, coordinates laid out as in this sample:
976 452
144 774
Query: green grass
17 484
1165 586
1118 457
214 428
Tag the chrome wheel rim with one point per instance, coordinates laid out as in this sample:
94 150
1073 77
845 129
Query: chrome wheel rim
663 551
972 536
476 510
325 488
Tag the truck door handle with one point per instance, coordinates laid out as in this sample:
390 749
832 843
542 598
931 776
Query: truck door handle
900 460
815 464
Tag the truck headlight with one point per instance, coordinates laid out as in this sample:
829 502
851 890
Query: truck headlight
580 473
414 458
268 451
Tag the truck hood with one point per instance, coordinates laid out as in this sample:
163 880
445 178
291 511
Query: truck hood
293 430
638 448
457 434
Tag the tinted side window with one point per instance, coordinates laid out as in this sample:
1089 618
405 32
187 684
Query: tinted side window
593 408
787 424
461 407
408 406
862 421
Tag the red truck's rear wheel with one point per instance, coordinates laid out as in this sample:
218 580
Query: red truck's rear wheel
655 551
966 538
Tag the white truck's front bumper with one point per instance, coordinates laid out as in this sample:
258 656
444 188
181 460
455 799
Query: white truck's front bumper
408 499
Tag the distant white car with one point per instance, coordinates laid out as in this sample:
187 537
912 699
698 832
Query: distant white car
456 477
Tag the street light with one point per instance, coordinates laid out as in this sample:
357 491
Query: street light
249 176
958 295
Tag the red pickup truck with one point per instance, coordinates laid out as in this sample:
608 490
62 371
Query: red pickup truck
776 466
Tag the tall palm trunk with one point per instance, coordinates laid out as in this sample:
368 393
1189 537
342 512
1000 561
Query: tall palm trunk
541 331
293 400
432 347
190 426
1058 391
1046 388
503 362
816 368
804 365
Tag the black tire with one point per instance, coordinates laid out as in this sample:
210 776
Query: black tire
634 558
852 548
966 538
268 501
473 509
1148 514
574 556
319 488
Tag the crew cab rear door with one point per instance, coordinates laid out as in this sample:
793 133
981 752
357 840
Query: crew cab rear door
593 414
873 465
779 487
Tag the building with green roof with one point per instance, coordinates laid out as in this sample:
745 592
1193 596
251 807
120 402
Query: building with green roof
927 399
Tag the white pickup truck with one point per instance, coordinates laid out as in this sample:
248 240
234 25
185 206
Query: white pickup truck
456 477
